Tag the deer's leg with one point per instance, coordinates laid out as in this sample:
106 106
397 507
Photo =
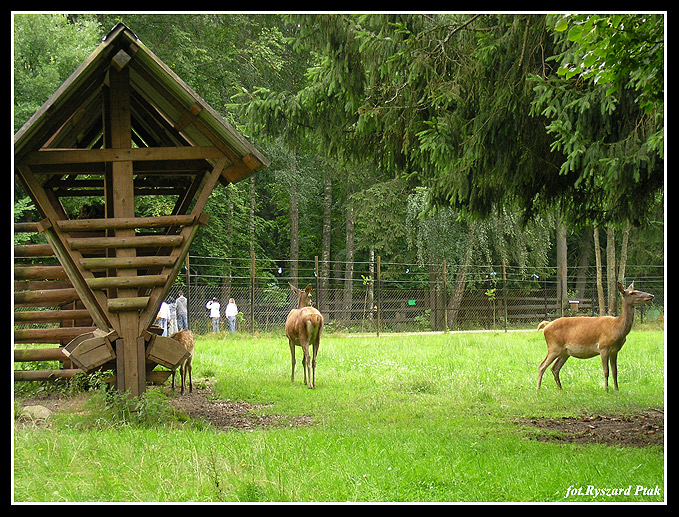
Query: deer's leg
313 364
557 366
306 363
549 359
190 368
183 374
604 362
614 367
292 355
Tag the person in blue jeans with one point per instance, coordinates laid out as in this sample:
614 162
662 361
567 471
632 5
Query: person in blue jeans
230 313
213 306
182 312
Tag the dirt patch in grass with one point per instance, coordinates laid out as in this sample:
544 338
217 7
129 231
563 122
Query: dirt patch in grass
641 430
228 414
200 404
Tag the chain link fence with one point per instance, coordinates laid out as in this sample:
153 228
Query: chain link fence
374 297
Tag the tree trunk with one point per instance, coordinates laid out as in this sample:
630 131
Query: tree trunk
623 251
327 230
294 229
252 215
599 274
583 264
461 279
349 270
611 271
561 266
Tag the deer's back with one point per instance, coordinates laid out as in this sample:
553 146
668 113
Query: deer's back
296 324
583 331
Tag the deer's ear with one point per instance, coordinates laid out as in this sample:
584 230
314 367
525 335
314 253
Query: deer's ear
621 287
293 287
308 289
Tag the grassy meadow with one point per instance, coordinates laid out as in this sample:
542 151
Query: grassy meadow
407 418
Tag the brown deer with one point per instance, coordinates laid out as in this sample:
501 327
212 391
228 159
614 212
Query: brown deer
185 337
585 337
303 328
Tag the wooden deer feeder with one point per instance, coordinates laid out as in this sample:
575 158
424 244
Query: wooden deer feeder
122 126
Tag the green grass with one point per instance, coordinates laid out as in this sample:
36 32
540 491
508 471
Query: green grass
407 418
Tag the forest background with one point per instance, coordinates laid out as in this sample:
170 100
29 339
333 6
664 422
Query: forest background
531 140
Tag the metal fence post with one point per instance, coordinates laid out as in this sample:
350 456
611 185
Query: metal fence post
252 292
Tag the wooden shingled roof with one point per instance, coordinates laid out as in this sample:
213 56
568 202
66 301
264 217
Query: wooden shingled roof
69 119
123 125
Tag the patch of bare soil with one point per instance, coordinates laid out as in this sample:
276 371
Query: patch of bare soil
228 414
642 430
197 405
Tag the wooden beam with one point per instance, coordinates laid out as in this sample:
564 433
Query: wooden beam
131 371
53 335
67 257
51 316
121 242
73 156
126 262
127 282
45 375
126 222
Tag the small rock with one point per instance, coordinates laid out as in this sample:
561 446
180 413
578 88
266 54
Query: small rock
36 412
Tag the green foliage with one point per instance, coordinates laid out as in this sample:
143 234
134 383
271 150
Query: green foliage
47 50
617 51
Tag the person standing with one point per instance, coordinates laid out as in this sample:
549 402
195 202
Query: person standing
172 322
163 316
230 313
214 307
182 312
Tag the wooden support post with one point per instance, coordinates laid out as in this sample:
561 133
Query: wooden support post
252 292
379 294
445 299
131 369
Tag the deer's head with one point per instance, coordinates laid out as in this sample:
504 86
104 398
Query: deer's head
633 296
303 296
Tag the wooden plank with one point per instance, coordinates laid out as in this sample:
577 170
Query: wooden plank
126 222
166 351
127 281
39 273
126 262
33 250
53 335
73 156
45 375
127 241
67 257
131 372
50 316
131 303
45 298
39 354
91 352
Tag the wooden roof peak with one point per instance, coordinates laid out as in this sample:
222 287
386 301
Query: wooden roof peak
166 110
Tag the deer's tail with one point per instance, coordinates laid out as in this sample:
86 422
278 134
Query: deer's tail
543 324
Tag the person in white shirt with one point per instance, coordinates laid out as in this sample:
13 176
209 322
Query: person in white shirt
230 313
163 316
214 307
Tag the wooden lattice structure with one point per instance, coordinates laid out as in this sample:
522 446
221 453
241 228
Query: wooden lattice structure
122 126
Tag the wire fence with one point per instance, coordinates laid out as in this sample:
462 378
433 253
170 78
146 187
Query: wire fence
374 297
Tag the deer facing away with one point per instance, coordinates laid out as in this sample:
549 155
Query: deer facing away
585 337
185 337
303 328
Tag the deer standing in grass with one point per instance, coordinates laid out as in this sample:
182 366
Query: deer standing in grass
585 337
303 328
185 337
